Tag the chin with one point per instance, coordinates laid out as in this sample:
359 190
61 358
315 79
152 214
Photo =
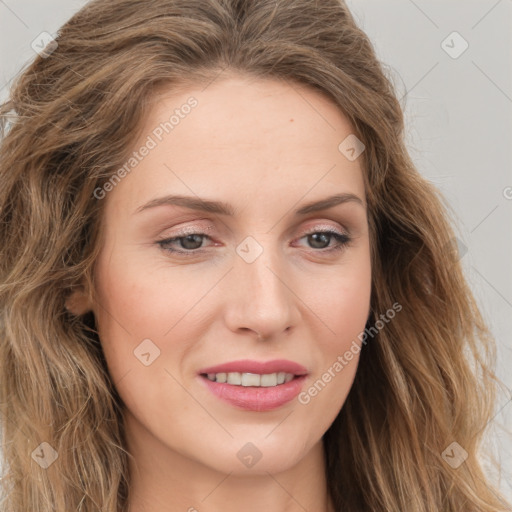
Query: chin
257 457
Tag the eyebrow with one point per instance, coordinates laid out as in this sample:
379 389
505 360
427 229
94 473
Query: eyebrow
221 208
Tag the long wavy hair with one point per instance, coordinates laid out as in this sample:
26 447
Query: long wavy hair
424 381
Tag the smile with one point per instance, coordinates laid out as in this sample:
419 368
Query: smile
257 398
251 379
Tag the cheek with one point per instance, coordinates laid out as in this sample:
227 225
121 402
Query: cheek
343 307
341 301
145 299
137 303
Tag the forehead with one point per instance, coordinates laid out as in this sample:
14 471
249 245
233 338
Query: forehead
243 135
245 109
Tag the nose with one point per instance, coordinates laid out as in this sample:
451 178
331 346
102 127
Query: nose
261 297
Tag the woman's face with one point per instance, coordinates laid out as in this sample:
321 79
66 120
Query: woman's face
246 263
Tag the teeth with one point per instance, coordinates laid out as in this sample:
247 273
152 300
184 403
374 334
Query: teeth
268 380
251 379
235 378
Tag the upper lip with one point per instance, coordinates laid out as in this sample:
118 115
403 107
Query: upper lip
261 367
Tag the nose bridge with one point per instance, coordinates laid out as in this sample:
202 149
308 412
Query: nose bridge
263 301
260 268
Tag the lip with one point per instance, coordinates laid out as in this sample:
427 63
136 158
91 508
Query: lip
261 367
253 398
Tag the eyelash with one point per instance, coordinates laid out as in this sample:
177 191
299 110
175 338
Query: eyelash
342 239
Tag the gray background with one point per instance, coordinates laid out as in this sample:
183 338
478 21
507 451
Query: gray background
459 131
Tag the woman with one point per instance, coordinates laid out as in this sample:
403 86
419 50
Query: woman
224 283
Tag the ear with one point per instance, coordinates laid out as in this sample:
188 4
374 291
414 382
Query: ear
78 302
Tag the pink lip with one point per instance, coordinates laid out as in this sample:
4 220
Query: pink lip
248 366
252 398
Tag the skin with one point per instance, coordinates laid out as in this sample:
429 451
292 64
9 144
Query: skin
266 148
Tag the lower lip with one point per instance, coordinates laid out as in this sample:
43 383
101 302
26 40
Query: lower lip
256 398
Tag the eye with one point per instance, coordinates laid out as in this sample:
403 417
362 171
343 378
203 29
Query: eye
192 243
189 243
320 239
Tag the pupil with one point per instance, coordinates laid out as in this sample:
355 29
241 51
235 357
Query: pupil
190 238
315 237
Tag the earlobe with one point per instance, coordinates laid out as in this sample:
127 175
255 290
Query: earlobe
78 302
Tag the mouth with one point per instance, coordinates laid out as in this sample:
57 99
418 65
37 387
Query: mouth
270 373
255 385
255 380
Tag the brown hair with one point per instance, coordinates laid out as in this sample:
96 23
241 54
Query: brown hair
423 382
